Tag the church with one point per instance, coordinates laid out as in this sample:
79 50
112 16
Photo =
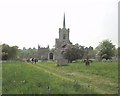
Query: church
61 44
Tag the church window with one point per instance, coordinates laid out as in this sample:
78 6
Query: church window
64 36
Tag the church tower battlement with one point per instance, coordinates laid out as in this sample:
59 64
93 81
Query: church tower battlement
43 52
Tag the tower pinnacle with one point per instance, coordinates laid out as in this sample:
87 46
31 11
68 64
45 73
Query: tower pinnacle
64 21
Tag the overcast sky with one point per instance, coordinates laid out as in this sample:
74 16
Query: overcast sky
27 23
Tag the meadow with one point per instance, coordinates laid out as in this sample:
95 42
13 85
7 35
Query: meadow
47 78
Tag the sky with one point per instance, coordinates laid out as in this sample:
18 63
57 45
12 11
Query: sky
27 23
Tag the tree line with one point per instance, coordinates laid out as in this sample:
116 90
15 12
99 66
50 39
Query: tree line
14 53
105 50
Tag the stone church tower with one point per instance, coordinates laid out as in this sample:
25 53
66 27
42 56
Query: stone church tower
61 44
64 33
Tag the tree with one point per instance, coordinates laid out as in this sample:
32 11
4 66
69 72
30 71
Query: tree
9 52
81 51
91 52
13 53
28 53
72 53
105 50
5 51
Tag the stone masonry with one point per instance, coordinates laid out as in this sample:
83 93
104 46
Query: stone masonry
61 44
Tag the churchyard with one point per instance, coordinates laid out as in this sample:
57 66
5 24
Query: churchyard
62 76
47 78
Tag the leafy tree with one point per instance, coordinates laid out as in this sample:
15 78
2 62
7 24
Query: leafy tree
5 51
9 52
27 53
81 50
4 56
105 50
77 51
91 52
72 53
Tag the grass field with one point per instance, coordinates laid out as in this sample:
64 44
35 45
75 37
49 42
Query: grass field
47 78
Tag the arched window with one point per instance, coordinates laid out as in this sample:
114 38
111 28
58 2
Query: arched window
64 36
50 55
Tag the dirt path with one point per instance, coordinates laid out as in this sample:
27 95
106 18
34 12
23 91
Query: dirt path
93 77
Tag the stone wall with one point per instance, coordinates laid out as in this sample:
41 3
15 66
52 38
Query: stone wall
43 53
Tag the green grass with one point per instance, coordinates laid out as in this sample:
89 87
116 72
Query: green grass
76 78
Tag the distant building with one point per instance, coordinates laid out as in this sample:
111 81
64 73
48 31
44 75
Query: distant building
43 52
